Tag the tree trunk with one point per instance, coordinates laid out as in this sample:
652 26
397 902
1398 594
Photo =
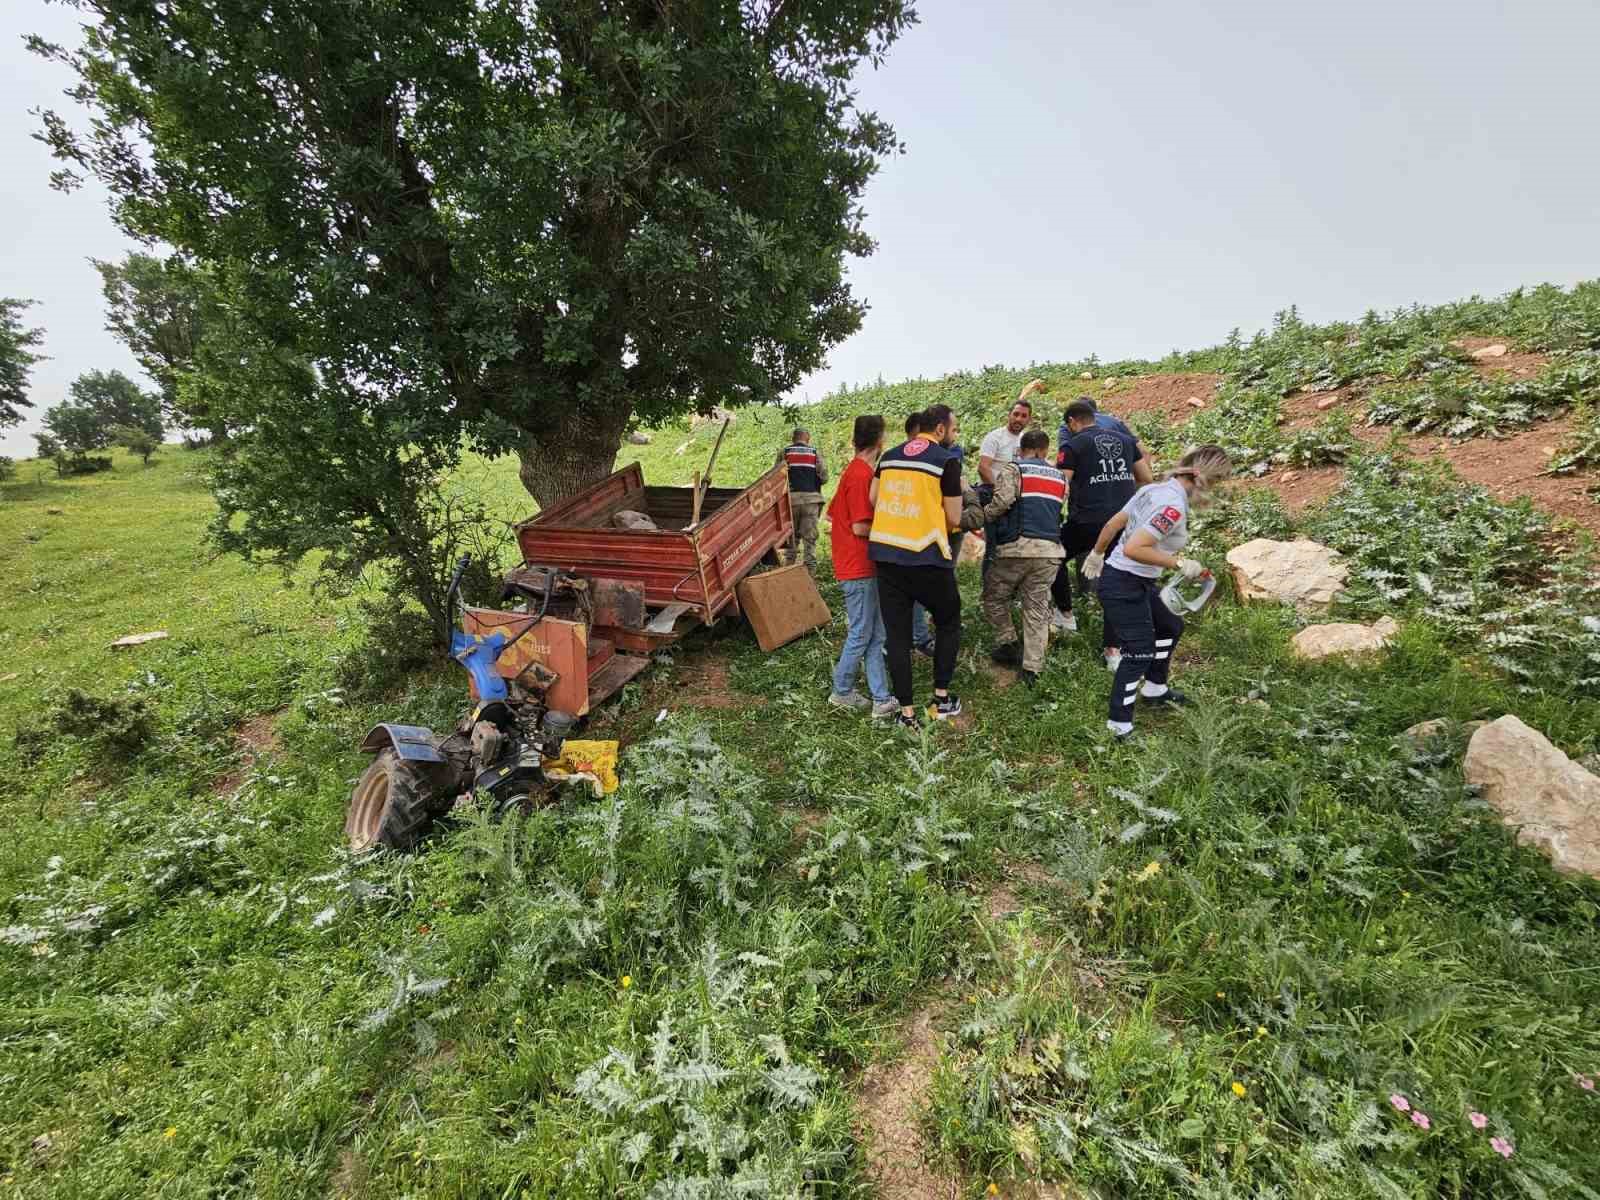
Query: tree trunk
568 458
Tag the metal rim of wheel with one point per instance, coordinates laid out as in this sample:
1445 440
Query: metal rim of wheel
368 803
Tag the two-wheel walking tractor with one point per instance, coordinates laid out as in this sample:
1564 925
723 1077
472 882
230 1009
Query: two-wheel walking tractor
593 599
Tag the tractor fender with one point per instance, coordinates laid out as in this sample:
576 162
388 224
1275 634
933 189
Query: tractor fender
413 742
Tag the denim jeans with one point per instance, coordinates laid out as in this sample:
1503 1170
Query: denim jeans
863 641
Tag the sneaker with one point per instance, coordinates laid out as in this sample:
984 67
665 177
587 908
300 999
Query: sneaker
924 648
884 709
946 707
1120 734
1113 661
1064 622
902 721
1006 654
1029 677
1170 696
848 700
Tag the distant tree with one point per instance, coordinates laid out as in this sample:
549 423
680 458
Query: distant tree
116 401
76 428
7 468
16 359
160 309
135 441
529 224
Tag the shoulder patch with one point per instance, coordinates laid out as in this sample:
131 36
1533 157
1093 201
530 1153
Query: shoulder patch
916 446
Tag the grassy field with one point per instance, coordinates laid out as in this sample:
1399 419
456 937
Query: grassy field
1200 964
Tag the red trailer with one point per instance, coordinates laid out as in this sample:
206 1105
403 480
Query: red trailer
629 591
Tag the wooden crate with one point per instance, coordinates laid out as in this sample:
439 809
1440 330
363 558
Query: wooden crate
782 605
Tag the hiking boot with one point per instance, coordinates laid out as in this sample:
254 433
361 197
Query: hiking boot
1171 696
884 709
1006 654
1029 677
1064 622
924 647
907 722
848 700
946 707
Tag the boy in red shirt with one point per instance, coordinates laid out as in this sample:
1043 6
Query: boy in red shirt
851 515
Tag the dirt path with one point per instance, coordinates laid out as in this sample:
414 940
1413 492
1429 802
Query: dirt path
889 1103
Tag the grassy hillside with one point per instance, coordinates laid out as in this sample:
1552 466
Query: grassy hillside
1200 964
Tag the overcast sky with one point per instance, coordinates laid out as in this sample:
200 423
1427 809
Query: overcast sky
1082 177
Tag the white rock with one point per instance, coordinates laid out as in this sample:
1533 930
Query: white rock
1422 731
1087 375
1552 802
1303 573
1498 350
638 438
138 639
1325 641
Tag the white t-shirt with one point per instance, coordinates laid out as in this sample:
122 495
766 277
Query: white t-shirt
1001 445
1163 509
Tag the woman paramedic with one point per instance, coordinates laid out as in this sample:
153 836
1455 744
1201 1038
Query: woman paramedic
1148 533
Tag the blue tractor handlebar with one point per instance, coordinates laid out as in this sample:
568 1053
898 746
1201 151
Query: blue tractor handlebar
478 652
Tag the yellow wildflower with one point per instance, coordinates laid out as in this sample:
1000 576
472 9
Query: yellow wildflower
170 1132
1238 1089
1150 872
992 1190
1222 995
1261 1031
627 982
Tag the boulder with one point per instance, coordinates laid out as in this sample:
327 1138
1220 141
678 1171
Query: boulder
1552 802
1498 350
1326 641
1086 375
1303 573
638 438
54 512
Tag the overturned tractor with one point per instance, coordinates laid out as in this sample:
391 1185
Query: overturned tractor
592 600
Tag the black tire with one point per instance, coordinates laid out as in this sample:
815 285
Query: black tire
392 805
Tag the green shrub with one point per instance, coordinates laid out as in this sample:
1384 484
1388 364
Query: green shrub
115 729
1327 442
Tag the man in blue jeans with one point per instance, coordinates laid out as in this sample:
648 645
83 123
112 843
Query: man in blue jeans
851 516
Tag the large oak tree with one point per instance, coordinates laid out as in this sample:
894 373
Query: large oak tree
537 221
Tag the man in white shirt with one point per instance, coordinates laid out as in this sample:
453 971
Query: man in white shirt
1000 445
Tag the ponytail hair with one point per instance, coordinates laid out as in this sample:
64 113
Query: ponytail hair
1206 465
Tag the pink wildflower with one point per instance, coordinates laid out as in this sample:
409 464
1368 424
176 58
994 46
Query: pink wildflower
1478 1119
1420 1119
1501 1147
1401 1104
1584 1081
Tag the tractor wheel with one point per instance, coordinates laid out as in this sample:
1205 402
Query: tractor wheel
391 805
